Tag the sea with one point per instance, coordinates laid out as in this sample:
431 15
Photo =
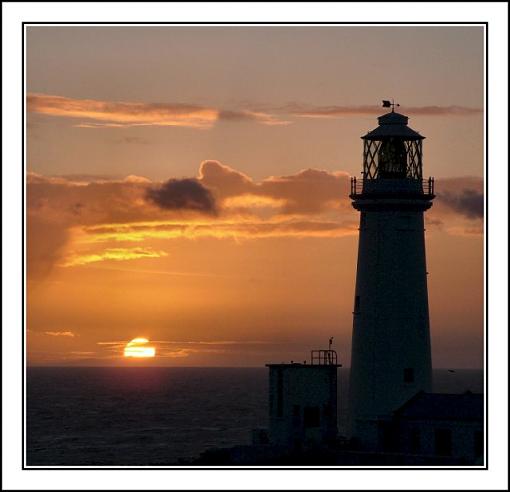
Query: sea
159 416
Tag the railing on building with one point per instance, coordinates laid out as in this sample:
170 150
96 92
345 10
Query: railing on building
358 188
324 357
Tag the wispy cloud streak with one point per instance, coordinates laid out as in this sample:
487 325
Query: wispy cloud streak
125 114
115 254
171 349
338 111
238 229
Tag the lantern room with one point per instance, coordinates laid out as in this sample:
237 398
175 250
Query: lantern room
393 150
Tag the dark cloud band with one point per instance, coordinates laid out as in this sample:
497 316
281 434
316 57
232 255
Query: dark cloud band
467 202
182 194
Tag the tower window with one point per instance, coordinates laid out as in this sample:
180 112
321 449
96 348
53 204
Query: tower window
409 375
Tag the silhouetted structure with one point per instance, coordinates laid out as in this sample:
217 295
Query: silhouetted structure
303 401
391 356
394 419
431 429
441 425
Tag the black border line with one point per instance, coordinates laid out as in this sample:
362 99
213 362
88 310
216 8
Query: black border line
256 468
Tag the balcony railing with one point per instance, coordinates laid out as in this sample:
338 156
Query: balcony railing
324 357
373 187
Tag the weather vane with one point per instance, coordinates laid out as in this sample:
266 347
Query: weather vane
390 104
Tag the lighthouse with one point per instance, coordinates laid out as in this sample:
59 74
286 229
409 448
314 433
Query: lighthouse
391 355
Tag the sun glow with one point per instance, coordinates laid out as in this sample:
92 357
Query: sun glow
137 348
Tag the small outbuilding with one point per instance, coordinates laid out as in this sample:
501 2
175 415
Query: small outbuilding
303 401
442 425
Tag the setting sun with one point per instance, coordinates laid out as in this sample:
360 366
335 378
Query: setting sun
137 348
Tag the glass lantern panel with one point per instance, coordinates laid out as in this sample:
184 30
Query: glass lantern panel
392 158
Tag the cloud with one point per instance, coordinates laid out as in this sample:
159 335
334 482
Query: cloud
113 254
234 228
467 202
59 333
224 180
81 220
122 114
462 196
122 343
57 205
306 192
180 349
132 178
309 111
125 114
46 242
182 194
459 205
256 116
252 201
63 201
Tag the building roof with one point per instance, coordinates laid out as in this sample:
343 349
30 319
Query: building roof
443 406
393 118
393 125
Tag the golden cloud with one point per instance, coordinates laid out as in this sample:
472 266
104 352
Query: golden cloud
122 114
59 333
114 254
309 191
250 201
79 220
238 229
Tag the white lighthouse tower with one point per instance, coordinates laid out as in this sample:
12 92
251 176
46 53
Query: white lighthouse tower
391 357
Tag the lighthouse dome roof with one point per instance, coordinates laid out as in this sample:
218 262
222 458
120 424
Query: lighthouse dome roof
393 125
393 118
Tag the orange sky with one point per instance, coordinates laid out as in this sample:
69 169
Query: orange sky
190 186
